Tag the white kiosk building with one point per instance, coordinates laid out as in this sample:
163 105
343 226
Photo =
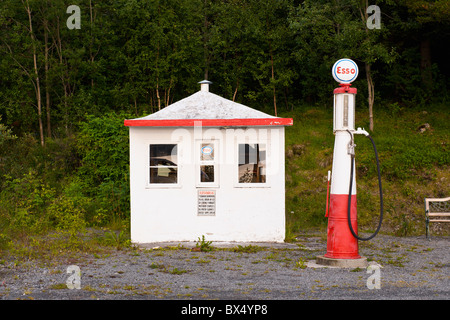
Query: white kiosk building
207 166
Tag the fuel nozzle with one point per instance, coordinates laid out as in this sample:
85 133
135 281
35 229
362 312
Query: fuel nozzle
361 131
351 145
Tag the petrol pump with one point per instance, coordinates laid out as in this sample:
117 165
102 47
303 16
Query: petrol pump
342 235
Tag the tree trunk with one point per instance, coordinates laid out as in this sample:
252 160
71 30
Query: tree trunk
273 81
371 96
370 85
235 91
36 71
167 100
205 41
157 95
205 76
64 82
91 44
47 91
425 64
157 68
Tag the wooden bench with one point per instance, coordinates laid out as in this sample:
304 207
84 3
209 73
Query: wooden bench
436 210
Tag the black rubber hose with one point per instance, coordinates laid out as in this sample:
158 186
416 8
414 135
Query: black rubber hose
350 193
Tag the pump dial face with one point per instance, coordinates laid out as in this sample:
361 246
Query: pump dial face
345 71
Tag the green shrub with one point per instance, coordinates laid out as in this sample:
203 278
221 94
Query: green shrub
103 144
5 133
24 202
104 148
203 245
64 215
117 239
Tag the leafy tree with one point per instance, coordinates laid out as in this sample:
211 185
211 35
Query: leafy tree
22 47
232 37
327 31
159 46
5 134
141 56
275 68
250 41
418 29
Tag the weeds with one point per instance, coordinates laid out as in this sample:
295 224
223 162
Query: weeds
58 286
247 249
117 239
177 271
163 268
301 263
203 245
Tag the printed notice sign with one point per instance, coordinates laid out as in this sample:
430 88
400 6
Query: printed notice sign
206 203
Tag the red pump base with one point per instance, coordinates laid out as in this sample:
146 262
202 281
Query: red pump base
342 246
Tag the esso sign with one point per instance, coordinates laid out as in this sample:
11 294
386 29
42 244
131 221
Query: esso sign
345 71
207 150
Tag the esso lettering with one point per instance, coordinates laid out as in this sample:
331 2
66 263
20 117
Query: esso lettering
345 70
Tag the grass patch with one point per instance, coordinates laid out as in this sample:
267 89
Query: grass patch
58 286
414 165
247 249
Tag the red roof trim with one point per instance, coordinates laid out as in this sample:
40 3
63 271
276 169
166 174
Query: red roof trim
210 122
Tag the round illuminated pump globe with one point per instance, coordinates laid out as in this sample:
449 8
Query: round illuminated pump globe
345 71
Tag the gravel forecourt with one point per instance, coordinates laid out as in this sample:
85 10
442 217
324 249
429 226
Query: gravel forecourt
411 268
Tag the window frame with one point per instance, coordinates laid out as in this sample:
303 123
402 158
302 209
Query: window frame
265 184
199 163
150 185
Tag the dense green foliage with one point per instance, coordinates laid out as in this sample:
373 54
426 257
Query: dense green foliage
139 56
65 92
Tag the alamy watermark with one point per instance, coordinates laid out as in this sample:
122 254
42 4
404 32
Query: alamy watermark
373 21
74 280
374 281
74 21
228 138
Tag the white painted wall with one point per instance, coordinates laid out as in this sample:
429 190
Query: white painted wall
243 212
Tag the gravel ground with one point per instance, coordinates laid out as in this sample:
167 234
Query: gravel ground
412 268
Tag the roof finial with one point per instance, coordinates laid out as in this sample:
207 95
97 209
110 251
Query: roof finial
204 85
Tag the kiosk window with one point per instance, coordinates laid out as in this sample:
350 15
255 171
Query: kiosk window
207 163
163 163
252 163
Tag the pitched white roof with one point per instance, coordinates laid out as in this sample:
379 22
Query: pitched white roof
208 109
206 105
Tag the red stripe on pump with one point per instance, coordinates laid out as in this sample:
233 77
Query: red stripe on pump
341 243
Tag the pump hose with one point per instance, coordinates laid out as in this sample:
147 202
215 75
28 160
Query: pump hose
350 192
